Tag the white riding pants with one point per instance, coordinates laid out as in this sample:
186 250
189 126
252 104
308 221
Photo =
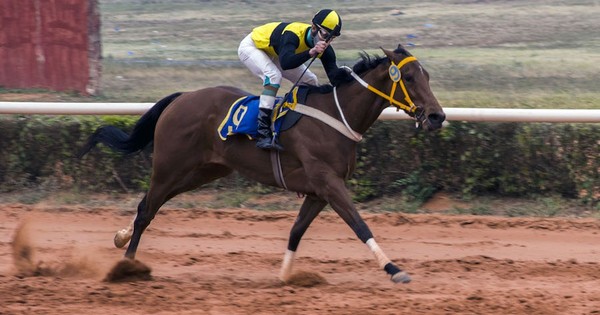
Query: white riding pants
264 66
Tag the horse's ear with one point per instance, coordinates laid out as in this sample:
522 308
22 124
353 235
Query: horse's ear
388 53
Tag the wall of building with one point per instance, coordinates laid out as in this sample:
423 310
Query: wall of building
50 44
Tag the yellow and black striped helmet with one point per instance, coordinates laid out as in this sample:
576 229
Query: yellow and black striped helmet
329 20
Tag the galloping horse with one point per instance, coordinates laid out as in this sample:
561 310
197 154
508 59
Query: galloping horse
319 153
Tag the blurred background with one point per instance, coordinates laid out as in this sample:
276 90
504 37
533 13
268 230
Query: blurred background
489 54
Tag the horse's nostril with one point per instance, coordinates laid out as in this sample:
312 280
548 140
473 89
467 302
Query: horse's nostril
436 118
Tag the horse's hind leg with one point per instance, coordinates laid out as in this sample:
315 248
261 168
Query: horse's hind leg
163 189
311 207
123 236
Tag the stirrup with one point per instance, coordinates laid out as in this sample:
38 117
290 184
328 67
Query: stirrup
275 145
268 144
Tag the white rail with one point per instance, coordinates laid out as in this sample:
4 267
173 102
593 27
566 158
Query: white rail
512 115
452 114
45 108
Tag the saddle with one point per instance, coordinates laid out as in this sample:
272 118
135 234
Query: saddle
242 117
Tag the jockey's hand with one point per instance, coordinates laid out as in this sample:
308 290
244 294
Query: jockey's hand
319 48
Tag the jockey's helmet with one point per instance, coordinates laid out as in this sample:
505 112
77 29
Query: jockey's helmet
328 20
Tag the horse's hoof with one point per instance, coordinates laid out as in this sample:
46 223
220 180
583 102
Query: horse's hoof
121 238
401 277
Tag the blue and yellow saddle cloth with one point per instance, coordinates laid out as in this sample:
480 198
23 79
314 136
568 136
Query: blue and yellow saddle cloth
243 115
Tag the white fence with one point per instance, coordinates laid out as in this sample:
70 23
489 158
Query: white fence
452 114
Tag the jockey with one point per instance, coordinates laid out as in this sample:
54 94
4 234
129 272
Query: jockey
279 50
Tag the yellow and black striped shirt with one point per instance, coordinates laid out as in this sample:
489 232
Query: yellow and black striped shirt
291 42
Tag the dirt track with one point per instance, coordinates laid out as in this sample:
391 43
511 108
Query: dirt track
227 261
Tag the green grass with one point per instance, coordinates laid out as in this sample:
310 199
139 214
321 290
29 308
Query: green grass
547 206
510 54
515 54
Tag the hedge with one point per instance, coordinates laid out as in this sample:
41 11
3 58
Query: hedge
465 158
474 159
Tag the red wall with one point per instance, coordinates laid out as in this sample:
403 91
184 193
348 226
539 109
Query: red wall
52 44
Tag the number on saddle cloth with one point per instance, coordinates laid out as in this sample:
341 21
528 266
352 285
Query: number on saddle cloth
243 114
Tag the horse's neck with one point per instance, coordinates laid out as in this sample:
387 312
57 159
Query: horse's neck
360 106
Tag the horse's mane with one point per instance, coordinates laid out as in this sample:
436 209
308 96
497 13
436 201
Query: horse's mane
366 63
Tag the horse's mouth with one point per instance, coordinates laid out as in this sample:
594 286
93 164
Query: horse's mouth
433 121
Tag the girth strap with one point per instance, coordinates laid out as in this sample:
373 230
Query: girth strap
277 172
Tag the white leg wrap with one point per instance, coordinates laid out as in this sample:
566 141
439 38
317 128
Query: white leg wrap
286 266
382 259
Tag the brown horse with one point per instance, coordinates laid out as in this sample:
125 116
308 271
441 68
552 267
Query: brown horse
319 155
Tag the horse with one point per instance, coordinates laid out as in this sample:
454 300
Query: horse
319 154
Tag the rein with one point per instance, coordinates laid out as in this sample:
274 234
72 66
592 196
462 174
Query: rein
344 127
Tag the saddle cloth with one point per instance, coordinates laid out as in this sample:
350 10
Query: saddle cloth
242 117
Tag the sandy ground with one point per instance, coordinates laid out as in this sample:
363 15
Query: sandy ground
53 260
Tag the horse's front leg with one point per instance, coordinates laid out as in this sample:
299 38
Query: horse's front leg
339 198
309 210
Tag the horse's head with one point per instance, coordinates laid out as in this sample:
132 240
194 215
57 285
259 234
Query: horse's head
411 91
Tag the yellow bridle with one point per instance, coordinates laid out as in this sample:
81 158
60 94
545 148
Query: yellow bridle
343 127
396 77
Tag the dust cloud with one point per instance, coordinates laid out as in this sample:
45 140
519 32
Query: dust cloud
27 264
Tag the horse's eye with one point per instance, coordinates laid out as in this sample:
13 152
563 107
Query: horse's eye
408 78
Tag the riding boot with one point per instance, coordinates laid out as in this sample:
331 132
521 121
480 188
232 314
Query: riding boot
265 135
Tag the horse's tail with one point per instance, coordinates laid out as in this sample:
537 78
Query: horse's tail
140 137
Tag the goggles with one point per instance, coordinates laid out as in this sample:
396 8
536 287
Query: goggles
325 34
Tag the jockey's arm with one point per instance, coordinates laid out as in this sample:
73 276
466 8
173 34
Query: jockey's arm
329 62
287 52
